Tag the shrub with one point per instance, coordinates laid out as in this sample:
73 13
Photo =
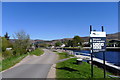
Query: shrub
7 53
5 44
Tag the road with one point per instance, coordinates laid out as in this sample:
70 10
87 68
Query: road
35 67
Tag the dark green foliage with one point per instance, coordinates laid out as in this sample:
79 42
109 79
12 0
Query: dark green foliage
6 36
77 41
5 44
58 44
70 43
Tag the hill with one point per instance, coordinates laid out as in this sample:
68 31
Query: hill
113 36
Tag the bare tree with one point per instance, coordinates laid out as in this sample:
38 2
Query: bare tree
22 42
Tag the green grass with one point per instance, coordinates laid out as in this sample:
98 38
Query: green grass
69 69
9 62
64 55
37 52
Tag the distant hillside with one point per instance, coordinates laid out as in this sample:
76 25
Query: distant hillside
113 36
109 37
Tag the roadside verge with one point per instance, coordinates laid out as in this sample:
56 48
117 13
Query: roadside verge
17 60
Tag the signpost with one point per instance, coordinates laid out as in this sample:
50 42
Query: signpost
97 44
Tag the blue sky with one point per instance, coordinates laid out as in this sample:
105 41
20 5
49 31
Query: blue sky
54 20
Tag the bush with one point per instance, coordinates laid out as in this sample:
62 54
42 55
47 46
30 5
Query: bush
19 51
5 44
7 53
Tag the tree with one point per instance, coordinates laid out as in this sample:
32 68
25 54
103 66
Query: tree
6 36
70 43
58 44
49 45
77 41
22 42
5 44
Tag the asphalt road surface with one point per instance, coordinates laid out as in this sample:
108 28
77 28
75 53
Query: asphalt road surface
35 67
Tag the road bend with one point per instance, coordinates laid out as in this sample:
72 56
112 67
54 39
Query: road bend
35 67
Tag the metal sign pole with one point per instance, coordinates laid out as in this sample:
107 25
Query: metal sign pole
91 65
104 59
104 64
91 56
97 44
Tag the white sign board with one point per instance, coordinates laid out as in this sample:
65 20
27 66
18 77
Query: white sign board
97 34
97 41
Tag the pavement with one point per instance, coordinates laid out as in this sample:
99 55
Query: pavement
35 67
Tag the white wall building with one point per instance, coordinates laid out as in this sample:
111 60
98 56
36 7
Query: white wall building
63 45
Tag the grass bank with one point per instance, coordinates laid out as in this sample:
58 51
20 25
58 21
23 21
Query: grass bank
64 55
9 62
37 52
69 69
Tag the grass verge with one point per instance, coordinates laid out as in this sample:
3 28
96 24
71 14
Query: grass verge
37 52
69 69
9 62
64 55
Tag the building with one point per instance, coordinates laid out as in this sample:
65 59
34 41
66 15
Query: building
63 45
114 43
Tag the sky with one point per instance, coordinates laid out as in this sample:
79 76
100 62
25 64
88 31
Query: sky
57 20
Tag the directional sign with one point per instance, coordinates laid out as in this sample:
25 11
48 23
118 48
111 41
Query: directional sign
97 41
